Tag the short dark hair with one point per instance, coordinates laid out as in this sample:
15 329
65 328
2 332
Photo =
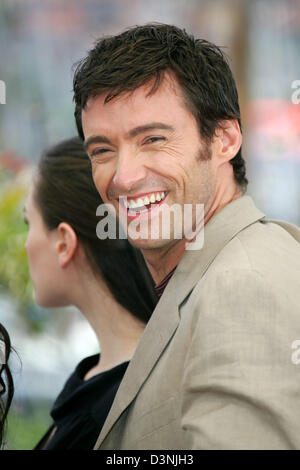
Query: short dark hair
129 60
64 191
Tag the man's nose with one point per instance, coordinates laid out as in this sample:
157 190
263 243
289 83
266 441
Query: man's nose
129 173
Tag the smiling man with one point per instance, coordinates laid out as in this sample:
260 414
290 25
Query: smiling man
147 163
159 115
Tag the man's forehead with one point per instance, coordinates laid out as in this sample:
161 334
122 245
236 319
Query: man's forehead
168 84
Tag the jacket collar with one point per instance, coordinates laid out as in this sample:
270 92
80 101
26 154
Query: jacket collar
165 319
224 226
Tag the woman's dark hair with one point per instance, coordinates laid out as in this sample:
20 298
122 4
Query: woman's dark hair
129 60
65 192
6 380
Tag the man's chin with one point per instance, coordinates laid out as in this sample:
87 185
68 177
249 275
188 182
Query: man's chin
151 244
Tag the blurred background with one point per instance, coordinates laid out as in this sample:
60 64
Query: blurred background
39 43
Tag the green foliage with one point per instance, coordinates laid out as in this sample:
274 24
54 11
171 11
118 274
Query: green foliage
26 426
14 272
14 269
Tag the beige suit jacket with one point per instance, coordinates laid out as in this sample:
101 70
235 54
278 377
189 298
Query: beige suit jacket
214 368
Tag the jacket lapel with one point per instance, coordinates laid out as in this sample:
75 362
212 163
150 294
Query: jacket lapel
165 318
158 332
222 228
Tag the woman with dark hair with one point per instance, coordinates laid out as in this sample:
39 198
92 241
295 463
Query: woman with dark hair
6 381
105 279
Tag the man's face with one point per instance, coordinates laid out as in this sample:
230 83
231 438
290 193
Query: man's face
149 150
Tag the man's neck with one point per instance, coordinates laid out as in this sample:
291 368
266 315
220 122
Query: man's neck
161 261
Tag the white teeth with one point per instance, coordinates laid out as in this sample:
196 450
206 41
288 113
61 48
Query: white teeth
131 204
139 202
142 202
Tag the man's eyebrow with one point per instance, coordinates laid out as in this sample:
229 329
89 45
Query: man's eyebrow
148 127
95 139
101 139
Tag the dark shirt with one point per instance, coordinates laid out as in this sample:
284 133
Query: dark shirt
159 288
82 406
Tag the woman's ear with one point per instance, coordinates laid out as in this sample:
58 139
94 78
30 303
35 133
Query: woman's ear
66 244
228 139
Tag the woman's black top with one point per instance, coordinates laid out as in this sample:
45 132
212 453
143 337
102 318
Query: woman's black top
82 406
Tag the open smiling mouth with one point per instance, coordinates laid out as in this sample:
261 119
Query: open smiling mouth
143 204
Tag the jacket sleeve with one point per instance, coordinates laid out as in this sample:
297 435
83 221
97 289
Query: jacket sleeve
241 389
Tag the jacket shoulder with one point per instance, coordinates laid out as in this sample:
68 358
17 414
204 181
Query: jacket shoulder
265 247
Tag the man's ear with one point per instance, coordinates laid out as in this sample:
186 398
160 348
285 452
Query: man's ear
228 139
66 244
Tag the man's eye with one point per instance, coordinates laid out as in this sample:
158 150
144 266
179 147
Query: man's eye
153 139
99 151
